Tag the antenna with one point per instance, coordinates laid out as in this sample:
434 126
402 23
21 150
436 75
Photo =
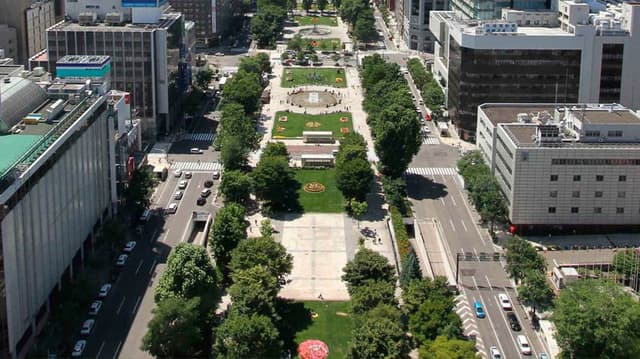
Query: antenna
555 98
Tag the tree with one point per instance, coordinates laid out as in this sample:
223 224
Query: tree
627 263
258 64
189 274
372 294
434 317
322 4
349 10
266 228
398 138
367 266
262 252
274 149
203 78
247 336
274 182
395 192
297 43
433 95
522 258
336 4
174 331
354 178
446 348
245 89
254 290
267 24
410 269
597 319
535 292
233 154
229 228
140 189
235 186
358 209
306 4
419 290
469 160
234 122
493 206
378 338
364 28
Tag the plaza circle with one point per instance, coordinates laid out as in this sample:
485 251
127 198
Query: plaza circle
313 99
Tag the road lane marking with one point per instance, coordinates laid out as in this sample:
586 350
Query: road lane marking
476 253
100 350
473 278
120 306
464 225
164 238
135 307
452 226
115 354
442 201
139 265
513 339
496 334
489 282
153 266
453 200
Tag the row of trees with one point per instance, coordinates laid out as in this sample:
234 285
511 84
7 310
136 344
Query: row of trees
359 15
484 190
354 174
429 88
268 21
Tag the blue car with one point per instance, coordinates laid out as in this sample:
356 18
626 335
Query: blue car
479 310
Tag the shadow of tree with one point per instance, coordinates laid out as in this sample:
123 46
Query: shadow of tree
295 317
419 188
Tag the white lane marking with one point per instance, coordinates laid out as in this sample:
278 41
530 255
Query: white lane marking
475 252
153 266
115 354
489 282
139 265
463 225
452 226
100 350
453 200
473 278
513 339
135 307
442 201
120 306
164 238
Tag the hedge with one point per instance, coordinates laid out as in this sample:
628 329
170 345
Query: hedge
401 233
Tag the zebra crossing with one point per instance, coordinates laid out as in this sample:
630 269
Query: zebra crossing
430 141
430 171
197 166
204 137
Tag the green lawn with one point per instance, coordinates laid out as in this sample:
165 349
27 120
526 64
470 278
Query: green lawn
298 122
322 20
333 325
294 77
329 201
325 44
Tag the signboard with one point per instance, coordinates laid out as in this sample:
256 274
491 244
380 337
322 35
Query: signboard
143 3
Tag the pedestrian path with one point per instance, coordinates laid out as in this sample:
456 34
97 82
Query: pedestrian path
196 166
204 137
430 141
430 171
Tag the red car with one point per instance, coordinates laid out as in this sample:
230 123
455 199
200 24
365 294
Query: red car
427 117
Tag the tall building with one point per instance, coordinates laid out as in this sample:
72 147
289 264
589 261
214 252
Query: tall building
590 58
414 18
56 182
564 167
29 18
149 56
8 41
492 9
212 17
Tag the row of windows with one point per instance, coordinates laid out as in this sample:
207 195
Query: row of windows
578 178
596 194
596 210
596 161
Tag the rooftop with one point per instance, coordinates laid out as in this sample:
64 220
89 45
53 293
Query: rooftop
83 59
622 117
508 113
165 21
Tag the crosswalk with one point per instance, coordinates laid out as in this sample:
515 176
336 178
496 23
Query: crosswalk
196 166
430 141
430 171
204 137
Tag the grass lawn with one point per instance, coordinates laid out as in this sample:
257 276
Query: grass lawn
298 122
329 201
326 44
322 20
294 77
333 329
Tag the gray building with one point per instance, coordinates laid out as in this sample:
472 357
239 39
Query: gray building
8 41
413 22
212 18
491 9
29 18
564 167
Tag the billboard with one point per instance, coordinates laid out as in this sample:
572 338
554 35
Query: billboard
143 3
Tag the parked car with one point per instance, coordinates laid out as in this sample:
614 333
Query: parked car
95 307
177 173
178 195
523 345
87 326
479 310
494 353
122 260
513 321
183 184
543 355
205 193
216 175
188 175
219 54
172 208
195 150
78 348
505 303
208 183
129 246
104 290
201 201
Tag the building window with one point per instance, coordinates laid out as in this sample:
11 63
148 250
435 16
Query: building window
597 210
577 178
553 194
622 194
599 178
575 194
574 210
614 133
619 210
552 209
622 178
554 178
598 194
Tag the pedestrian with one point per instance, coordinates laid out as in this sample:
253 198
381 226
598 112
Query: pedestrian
256 222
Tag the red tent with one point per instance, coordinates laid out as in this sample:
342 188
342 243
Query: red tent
313 349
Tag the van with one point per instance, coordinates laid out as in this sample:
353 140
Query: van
523 345
145 215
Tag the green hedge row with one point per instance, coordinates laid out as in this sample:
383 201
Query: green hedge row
402 237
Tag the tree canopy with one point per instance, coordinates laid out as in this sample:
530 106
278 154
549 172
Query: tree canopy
140 189
535 292
364 28
522 258
367 266
434 317
372 294
247 336
203 78
235 186
254 291
446 348
244 88
267 24
233 154
275 183
229 228
264 252
378 337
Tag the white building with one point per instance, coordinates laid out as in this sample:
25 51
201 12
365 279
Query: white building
564 167
586 58
413 22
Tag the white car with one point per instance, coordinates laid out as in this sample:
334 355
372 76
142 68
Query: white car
104 290
172 208
122 260
78 348
95 307
426 129
205 193
183 184
188 175
177 173
195 150
87 326
178 195
494 353
129 246
219 54
523 345
505 303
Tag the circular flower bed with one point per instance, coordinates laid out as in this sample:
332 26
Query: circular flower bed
283 119
339 80
313 349
314 187
344 119
314 43
280 129
313 124
344 130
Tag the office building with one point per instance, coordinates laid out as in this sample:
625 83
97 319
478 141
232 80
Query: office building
57 145
589 58
492 9
30 19
39 17
413 24
8 41
564 167
212 18
149 57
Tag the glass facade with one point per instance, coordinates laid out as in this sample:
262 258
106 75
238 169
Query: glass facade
519 76
611 73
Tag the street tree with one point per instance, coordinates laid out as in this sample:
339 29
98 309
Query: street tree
233 153
521 258
354 178
244 88
336 4
297 43
274 182
468 161
264 252
535 292
235 186
398 139
418 291
234 122
322 4
372 294
447 348
358 209
140 189
267 24
433 95
350 10
378 338
254 290
174 330
266 228
274 149
597 319
203 78
364 28
243 336
229 228
306 4
434 317
493 205
395 192
410 268
258 64
366 266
